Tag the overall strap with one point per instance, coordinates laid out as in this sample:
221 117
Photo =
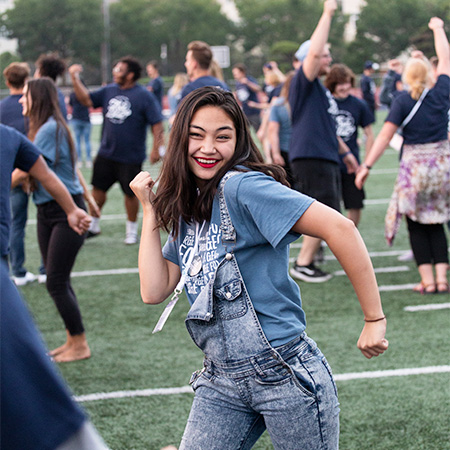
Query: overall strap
226 226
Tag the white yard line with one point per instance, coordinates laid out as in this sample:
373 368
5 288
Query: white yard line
430 307
188 389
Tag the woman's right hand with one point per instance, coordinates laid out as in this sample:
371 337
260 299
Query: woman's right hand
142 186
361 176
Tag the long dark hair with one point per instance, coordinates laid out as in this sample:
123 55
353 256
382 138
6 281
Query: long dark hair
42 95
178 195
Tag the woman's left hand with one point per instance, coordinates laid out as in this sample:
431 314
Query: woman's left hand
372 340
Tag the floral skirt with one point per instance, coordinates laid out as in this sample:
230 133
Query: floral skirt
422 188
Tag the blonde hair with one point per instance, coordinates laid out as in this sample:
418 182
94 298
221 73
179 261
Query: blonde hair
273 79
417 76
216 70
180 80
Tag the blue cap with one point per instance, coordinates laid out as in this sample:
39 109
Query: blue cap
303 50
368 65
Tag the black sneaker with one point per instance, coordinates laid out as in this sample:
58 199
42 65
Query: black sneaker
90 234
310 274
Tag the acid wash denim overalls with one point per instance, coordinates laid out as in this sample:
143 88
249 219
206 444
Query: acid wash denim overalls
246 385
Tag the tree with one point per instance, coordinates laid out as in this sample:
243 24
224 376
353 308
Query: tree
73 28
265 22
140 27
387 28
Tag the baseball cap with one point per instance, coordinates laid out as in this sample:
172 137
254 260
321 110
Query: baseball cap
303 50
368 64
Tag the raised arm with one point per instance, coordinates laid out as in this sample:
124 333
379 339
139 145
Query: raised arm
79 88
311 64
78 219
158 276
441 46
346 243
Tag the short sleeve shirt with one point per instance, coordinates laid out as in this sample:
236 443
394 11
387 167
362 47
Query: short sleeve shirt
16 151
313 127
45 141
126 115
429 123
353 113
202 82
263 212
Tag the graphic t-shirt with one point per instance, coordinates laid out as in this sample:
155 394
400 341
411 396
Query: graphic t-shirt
352 113
245 95
313 127
126 115
263 212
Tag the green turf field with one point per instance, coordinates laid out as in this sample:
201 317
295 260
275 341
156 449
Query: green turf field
400 411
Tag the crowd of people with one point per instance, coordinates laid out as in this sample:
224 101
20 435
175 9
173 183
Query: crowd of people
228 206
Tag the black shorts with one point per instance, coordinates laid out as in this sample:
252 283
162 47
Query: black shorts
318 178
352 196
107 172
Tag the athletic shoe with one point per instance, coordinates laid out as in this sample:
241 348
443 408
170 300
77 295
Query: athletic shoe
94 228
310 274
131 235
42 278
407 256
22 281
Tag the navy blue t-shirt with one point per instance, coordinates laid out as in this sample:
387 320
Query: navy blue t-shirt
79 111
313 127
11 113
16 151
244 94
37 412
368 91
126 114
430 122
157 87
353 113
202 82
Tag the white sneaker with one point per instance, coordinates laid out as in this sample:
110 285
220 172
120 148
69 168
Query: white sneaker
131 236
42 278
94 228
22 281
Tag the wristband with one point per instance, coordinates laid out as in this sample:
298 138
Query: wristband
375 320
345 154
366 166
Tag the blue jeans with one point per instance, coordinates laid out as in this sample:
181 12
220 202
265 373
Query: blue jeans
19 216
247 386
82 130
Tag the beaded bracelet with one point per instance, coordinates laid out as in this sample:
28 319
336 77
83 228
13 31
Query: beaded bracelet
375 320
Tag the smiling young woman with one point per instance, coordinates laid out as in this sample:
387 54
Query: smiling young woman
231 219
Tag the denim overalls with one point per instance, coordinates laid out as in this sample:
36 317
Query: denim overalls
246 385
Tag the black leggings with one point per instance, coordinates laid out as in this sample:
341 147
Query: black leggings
59 246
428 242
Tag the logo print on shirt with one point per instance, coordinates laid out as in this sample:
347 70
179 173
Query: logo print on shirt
119 108
333 108
345 125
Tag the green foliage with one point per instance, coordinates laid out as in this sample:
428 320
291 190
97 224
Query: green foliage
140 27
387 28
6 59
282 52
73 28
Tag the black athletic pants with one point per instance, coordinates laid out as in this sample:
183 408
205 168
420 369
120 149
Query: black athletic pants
59 246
